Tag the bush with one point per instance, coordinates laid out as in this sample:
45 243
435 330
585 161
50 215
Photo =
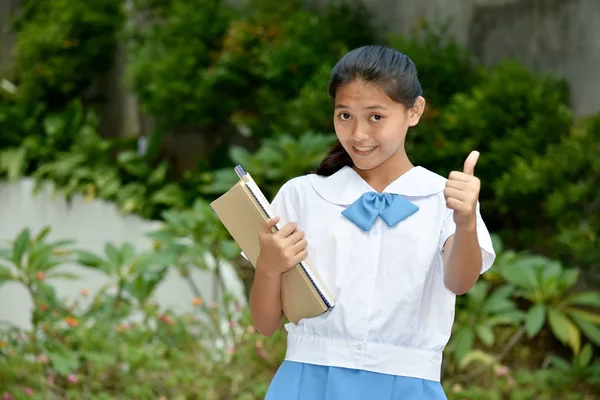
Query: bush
118 343
557 190
244 74
63 47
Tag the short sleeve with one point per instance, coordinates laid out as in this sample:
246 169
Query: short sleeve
285 204
488 255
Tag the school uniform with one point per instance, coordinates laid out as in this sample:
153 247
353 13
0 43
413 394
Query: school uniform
393 316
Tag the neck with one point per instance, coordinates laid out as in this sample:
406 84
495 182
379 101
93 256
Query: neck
381 176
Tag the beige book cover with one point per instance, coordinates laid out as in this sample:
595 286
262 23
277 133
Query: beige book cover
243 210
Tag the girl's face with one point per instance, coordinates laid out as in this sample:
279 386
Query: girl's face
372 127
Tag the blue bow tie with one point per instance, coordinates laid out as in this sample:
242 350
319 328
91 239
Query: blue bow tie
392 208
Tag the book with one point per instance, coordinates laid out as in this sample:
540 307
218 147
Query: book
244 210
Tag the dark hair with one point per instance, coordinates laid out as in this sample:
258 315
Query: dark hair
390 69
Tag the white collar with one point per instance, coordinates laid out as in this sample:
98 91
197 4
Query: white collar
346 185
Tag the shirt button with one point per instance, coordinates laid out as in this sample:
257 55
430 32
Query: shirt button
359 347
375 231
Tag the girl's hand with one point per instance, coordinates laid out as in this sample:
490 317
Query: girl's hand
462 193
280 251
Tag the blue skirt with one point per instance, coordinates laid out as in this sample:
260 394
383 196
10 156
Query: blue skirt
301 381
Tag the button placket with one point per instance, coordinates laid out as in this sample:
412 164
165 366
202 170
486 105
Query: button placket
374 244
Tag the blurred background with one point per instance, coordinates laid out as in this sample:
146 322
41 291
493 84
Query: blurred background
121 120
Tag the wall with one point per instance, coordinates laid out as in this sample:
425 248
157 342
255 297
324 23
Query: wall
549 36
91 224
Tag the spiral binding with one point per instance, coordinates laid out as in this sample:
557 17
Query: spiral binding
303 265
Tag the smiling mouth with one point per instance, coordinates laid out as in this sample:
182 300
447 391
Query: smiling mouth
364 149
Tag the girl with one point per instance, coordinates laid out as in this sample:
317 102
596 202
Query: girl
393 242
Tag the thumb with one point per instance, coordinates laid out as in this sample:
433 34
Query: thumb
270 224
469 167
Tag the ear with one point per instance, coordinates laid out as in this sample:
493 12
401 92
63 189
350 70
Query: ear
414 114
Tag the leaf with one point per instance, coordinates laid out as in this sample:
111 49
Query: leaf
127 252
14 162
19 247
6 275
591 331
591 299
508 318
159 174
569 278
240 155
521 273
170 195
592 317
486 334
585 356
476 296
534 321
42 235
463 342
113 255
63 275
101 360
559 363
89 259
564 330
478 355
64 362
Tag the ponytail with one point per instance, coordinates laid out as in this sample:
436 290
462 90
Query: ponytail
336 159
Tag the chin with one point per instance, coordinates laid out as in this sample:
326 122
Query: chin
365 166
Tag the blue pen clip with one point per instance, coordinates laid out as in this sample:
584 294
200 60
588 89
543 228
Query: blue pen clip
240 171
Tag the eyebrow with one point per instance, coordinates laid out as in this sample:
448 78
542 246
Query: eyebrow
373 107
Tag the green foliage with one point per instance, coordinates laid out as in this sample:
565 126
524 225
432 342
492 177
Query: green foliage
548 287
239 74
119 342
63 47
482 310
524 297
445 68
558 187
171 53
277 160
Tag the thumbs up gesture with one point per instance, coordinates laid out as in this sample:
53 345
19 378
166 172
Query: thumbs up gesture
462 193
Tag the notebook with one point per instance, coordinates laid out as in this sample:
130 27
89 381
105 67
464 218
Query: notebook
243 210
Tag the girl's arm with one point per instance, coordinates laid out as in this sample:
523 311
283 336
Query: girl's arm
265 303
279 252
462 260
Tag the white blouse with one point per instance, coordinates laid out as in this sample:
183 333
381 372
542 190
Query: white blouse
393 313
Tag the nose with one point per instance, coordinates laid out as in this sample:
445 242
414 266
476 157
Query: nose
360 133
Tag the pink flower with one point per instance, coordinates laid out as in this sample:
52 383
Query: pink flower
251 329
7 396
511 381
28 391
233 323
231 350
72 379
261 353
50 380
42 358
503 370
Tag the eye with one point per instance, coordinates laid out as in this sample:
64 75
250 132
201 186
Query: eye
376 117
344 116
